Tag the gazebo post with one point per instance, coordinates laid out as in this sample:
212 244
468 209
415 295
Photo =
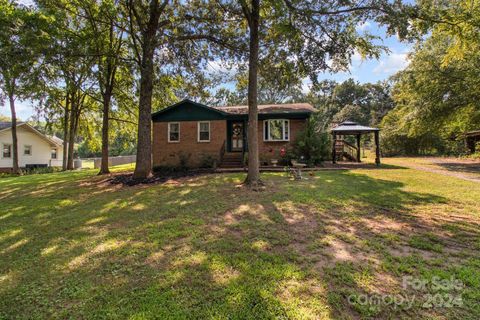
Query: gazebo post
358 147
334 149
377 147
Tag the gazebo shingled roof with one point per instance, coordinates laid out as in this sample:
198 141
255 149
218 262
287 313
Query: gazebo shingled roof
353 128
350 127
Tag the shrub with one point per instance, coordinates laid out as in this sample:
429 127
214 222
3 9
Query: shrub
207 161
183 159
312 144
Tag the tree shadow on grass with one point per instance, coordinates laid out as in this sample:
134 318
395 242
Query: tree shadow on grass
204 248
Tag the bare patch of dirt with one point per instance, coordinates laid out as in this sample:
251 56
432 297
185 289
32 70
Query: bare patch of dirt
383 225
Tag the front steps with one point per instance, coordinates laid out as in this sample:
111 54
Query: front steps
232 160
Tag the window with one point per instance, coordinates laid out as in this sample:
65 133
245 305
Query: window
276 130
7 151
173 132
204 131
27 150
54 153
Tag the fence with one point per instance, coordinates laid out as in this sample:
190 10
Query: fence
113 161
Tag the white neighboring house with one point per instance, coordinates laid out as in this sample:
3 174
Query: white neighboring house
34 148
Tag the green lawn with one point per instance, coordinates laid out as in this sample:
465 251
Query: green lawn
74 246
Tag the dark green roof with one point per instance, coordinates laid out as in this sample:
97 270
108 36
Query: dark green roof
187 110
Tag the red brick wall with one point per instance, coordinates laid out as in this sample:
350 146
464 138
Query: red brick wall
169 153
270 149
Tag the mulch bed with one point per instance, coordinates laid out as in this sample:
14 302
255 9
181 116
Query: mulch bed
127 179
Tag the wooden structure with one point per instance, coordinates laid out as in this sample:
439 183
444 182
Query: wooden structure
342 149
471 140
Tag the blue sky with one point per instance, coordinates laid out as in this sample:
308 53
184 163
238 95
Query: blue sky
360 70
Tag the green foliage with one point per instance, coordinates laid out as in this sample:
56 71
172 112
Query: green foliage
22 40
366 103
433 108
312 144
437 96
207 161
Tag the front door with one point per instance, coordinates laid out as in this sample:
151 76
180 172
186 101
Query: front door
237 136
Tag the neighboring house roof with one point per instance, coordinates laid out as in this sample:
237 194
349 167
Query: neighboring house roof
56 139
350 127
189 110
6 125
50 139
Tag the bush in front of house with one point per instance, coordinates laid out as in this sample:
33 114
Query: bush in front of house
207 161
312 144
26 172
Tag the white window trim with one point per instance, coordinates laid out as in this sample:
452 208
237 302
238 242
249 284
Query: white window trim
283 123
11 150
168 133
56 152
209 131
31 150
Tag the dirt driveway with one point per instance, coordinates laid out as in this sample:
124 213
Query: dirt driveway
466 169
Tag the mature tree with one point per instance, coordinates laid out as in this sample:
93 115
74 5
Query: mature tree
437 94
166 45
364 103
146 20
459 20
107 44
20 40
434 98
69 70
275 85
313 36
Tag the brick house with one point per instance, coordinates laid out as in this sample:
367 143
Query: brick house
194 135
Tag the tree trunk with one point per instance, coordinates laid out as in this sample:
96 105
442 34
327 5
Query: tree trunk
71 131
15 167
105 129
253 176
143 166
65 132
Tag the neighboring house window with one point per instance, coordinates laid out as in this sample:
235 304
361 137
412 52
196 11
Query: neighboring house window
173 132
54 153
203 131
276 130
27 150
7 151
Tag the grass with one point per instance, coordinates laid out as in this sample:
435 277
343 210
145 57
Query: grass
72 245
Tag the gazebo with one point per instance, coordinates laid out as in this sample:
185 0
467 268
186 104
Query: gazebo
471 140
342 148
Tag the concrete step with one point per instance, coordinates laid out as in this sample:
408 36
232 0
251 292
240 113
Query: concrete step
224 166
232 162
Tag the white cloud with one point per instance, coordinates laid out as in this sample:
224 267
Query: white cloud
392 63
306 85
363 26
219 66
357 57
24 110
